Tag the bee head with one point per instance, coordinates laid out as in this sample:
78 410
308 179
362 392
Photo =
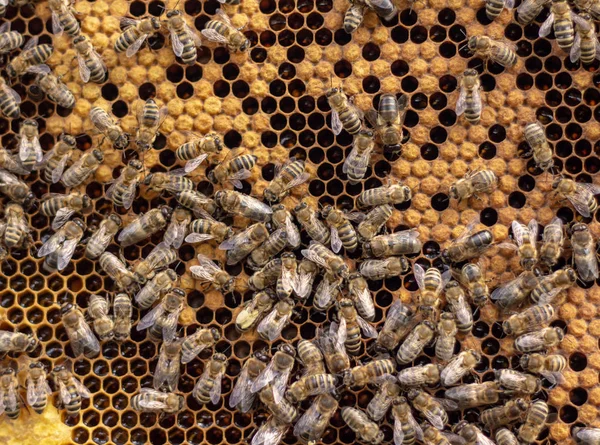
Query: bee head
571 274
287 349
32 343
86 201
345 302
556 182
136 164
332 92
546 165
262 356
78 39
578 227
245 45
220 357
10 70
215 334
173 13
211 177
303 205
98 155
30 123
139 278
166 211
366 133
470 72
66 308
270 195
521 404
68 139
155 23
453 192
413 394
326 211
79 223
452 284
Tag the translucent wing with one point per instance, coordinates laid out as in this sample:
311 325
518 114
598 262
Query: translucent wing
126 22
336 242
336 123
307 422
195 348
280 385
588 435
518 232
32 395
102 236
312 256
293 235
62 216
84 71
575 52
303 285
205 270
580 22
264 378
416 427
477 100
435 420
150 318
300 179
65 395
59 169
176 44
483 440
6 25
12 92
176 233
215 391
288 279
269 433
57 28
237 177
592 188
340 336
509 4
533 231
170 326
553 377
66 253
419 275
81 389
461 103
272 325
198 237
398 433
135 47
223 16
547 26
240 389
368 330
51 245
193 164
193 35
213 36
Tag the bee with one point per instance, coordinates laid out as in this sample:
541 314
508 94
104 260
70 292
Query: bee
184 40
365 429
548 366
471 434
122 191
529 10
17 342
386 268
397 322
382 400
311 426
11 162
135 33
243 205
283 410
286 282
542 152
271 432
469 99
162 319
63 18
432 436
406 428
98 311
311 357
534 422
374 221
586 45
455 297
107 127
116 270
62 207
17 233
277 372
154 289
38 389
15 189
9 40
241 397
505 437
9 101
313 226
222 31
173 181
517 381
342 231
473 279
253 311
207 229
356 164
198 149
538 340
144 226
80 335
178 227
431 283
502 53
526 239
344 114
561 19
459 366
55 89
55 161
331 343
388 121
199 204
327 291
82 169
274 244
581 195
197 342
552 242
514 292
474 394
483 181
584 252
420 375
360 375
168 370
414 343
208 386
271 326
389 194
149 118
493 8
550 286
233 171
9 394
353 324
122 310
102 237
60 247
291 175
322 256
360 294
468 245
446 341
152 401
30 150
33 55
587 436
91 66
429 408
242 244
282 219
266 276
529 320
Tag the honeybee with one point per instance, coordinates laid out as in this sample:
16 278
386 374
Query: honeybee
386 268
313 226
15 189
550 286
359 293
122 311
355 165
459 366
291 175
91 66
222 31
538 340
526 239
54 88
149 400
9 161
331 343
274 244
282 219
154 289
116 270
493 8
327 291
469 99
17 342
311 357
149 119
321 255
199 204
243 205
430 284
581 195
374 221
277 372
9 101
82 169
80 335
102 237
383 398
584 252
502 53
62 207
60 247
360 375
122 191
184 40
253 311
587 436
517 381
552 242
70 390
266 276
271 326
529 320
429 408
561 19
63 18
397 321
311 426
406 428
432 436
234 171
505 437
472 277
241 397
173 181
353 324
33 55
344 114
455 297
510 412
468 245
586 45
107 127
388 121
310 385
271 432
9 40
168 370
162 319
135 33
516 291
365 429
197 342
286 282
55 161
414 343
38 389
471 434
144 226
240 245
420 375
548 366
17 233
342 231
388 194
30 150
472 184
178 227
542 152
198 149
208 386
283 410
474 394
529 10
98 312
207 229
446 341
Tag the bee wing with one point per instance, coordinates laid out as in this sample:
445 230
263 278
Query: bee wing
84 71
303 285
126 22
307 422
579 21
6 25
533 231
461 103
300 179
483 440
198 237
236 178
150 318
416 427
548 297
324 293
62 216
468 229
12 92
102 236
81 389
240 389
419 273
592 188
51 245
213 36
57 28
32 394
454 439
193 164
336 242
193 35
135 47
339 335
435 420
280 385
368 330
176 43
235 240
575 52
271 326
293 235
223 16
102 122
588 435
312 256
82 337
336 123
579 199
265 377
269 434
509 4
398 432
519 232
59 169
206 270
215 391
547 26
176 233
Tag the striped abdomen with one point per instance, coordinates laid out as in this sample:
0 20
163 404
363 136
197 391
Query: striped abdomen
588 49
472 109
12 236
10 41
187 151
9 105
97 73
202 390
218 26
348 236
244 162
493 8
350 120
74 406
38 54
190 53
388 107
353 18
563 30
126 39
151 114
69 22
353 339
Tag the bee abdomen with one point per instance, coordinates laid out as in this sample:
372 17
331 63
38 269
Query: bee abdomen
126 39
353 340
9 106
348 236
563 30
350 121
70 24
493 8
202 391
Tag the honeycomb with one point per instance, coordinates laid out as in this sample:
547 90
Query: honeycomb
270 101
